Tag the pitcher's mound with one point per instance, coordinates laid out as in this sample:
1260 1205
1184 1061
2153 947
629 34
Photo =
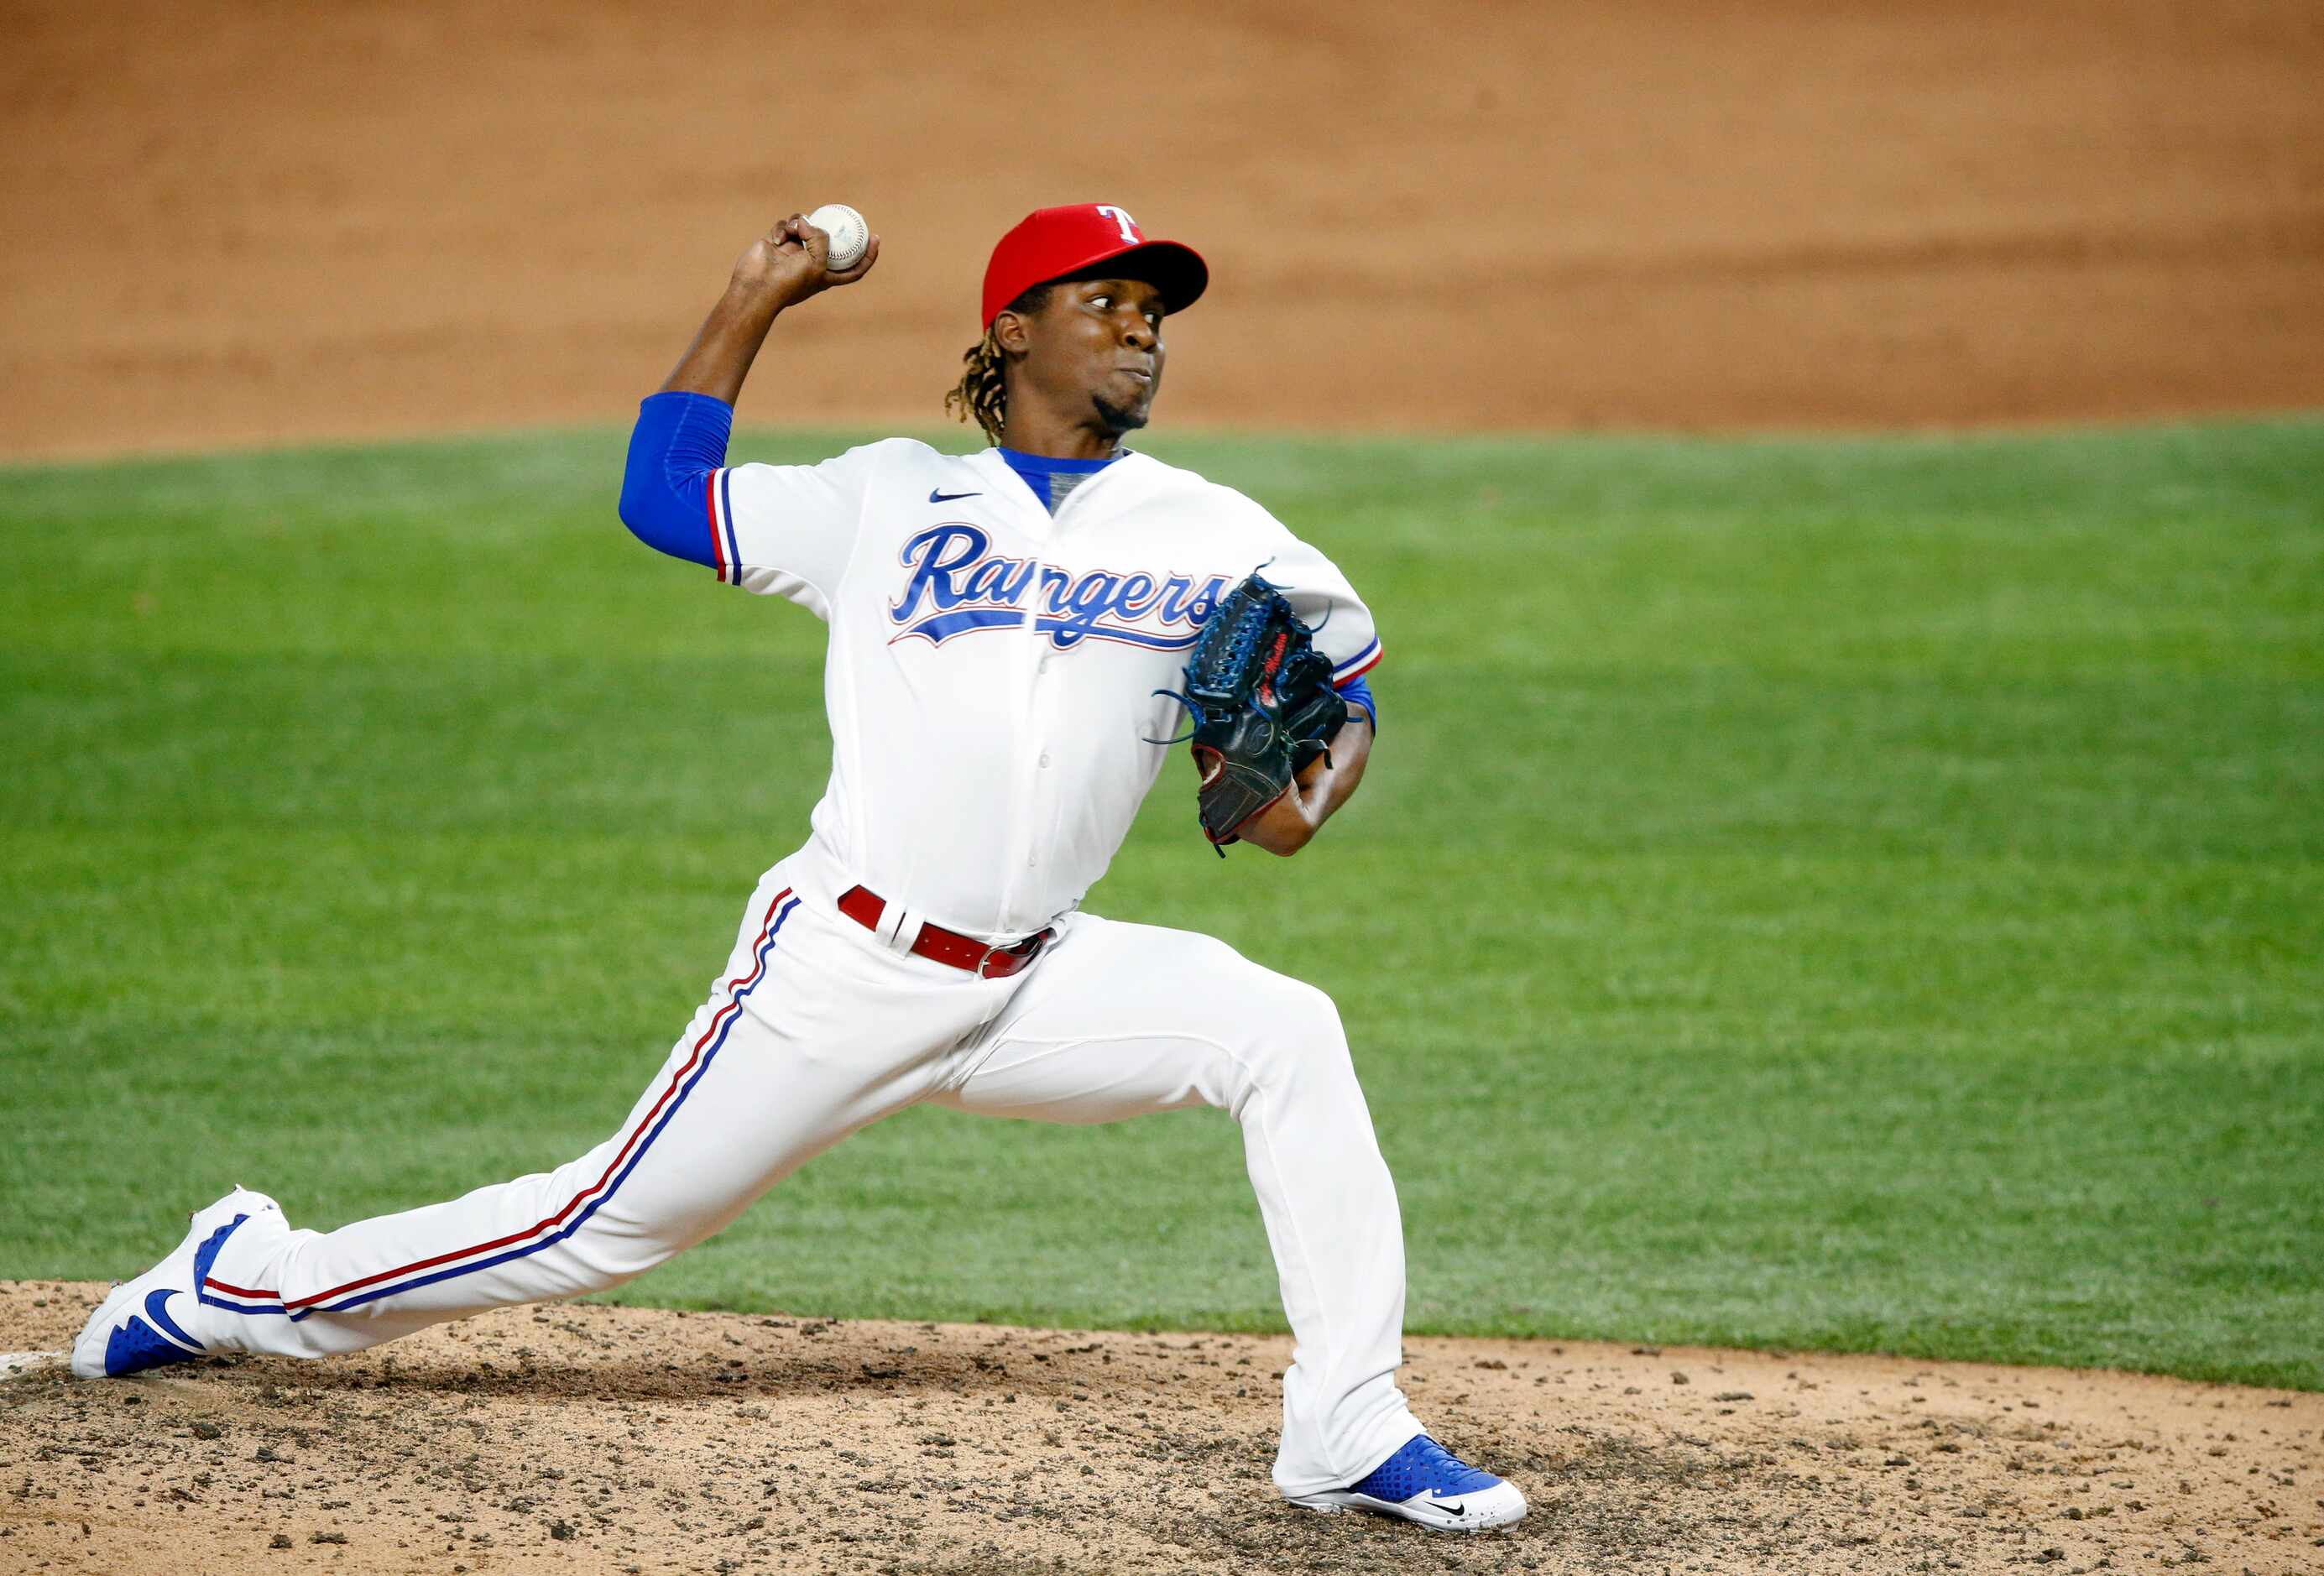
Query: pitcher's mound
629 1440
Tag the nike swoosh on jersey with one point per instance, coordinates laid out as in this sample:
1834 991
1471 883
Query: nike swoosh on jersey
936 497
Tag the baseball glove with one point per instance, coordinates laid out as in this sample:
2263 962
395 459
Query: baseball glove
1263 707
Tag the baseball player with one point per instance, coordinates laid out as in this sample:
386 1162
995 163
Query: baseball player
1000 623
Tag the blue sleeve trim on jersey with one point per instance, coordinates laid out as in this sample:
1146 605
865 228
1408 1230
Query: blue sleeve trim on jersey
679 440
1358 692
1357 665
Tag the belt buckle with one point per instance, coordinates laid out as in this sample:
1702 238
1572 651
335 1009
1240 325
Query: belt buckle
1025 949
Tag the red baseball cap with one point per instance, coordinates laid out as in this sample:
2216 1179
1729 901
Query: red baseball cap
1049 244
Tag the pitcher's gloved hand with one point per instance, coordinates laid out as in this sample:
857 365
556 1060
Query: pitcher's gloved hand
1262 702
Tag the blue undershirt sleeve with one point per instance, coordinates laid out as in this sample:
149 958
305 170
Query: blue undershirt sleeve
1358 692
679 440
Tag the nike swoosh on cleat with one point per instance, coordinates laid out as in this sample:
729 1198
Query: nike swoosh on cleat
936 497
157 1309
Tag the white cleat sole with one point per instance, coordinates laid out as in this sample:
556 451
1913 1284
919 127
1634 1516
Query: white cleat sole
1498 1505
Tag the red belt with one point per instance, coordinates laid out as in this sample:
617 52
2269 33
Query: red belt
947 946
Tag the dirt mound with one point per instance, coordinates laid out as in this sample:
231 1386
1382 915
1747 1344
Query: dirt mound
302 221
618 1439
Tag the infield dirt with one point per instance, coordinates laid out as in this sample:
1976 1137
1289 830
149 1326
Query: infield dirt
289 222
623 1439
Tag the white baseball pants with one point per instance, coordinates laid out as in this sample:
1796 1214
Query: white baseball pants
818 1028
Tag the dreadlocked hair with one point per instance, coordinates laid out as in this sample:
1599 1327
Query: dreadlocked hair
982 396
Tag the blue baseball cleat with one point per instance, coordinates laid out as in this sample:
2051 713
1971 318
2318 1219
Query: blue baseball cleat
146 1323
1426 1483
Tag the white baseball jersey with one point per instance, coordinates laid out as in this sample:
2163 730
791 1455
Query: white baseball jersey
992 667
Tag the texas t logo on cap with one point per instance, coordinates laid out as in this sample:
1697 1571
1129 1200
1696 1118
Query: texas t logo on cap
1062 243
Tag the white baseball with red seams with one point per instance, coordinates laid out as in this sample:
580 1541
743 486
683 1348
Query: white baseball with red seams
988 681
850 235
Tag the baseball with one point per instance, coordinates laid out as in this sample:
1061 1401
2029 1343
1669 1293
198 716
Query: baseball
848 232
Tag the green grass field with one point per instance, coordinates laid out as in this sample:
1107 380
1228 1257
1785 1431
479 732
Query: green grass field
1846 894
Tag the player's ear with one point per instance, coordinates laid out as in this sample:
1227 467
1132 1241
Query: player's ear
1013 331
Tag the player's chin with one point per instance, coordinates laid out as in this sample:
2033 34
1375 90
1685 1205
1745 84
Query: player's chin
1127 417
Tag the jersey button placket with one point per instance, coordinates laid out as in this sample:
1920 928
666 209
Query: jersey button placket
1024 814
1048 689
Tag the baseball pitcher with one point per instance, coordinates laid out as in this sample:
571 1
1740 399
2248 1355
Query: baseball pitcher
1015 637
